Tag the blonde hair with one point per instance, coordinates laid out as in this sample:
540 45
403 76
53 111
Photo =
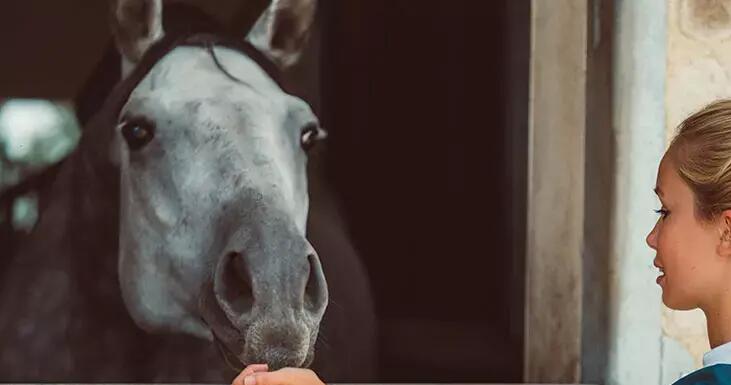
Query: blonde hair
702 154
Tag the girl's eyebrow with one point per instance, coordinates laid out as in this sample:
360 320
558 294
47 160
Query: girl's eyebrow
657 191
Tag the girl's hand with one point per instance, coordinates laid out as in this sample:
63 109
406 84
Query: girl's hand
259 375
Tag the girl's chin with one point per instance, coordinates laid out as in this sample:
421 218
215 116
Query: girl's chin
674 303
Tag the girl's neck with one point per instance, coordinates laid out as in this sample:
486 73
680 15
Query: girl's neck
718 320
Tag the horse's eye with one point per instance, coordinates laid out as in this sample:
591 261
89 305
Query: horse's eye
311 134
137 134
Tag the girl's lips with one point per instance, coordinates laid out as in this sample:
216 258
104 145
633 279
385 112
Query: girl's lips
660 280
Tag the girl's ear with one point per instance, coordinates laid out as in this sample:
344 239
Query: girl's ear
724 229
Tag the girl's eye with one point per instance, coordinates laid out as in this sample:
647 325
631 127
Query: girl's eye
662 212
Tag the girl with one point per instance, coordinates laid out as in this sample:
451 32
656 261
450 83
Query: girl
692 236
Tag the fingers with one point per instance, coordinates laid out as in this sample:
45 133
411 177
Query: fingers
249 370
286 376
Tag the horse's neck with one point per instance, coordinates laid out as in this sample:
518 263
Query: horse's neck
59 293
75 239
80 216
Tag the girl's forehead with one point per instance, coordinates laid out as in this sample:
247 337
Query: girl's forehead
670 186
665 170
667 178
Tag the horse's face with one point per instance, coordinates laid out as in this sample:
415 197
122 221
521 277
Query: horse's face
214 198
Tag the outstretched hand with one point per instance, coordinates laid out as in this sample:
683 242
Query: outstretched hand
260 375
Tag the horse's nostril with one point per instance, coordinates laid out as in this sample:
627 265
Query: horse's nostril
315 291
234 284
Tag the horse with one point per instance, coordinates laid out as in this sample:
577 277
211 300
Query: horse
182 238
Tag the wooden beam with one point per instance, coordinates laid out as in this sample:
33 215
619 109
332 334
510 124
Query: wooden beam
555 191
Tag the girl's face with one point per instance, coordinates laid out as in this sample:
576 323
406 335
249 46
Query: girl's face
689 250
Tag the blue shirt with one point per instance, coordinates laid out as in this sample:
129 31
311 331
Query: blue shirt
716 368
718 374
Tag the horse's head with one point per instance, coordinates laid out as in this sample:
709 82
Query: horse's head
214 201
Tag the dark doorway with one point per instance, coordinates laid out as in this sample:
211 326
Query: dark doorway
427 106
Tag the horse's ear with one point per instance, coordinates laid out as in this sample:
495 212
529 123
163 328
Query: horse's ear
136 25
283 29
